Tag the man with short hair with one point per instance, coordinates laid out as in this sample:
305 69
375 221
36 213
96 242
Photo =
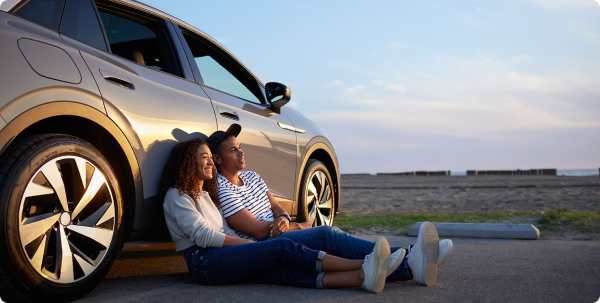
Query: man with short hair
252 211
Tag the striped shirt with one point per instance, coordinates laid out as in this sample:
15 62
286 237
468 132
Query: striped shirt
252 196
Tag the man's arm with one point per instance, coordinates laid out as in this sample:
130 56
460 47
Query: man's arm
245 222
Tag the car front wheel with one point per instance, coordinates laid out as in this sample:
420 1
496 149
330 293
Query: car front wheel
61 211
317 200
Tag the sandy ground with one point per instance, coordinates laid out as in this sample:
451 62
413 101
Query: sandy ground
364 194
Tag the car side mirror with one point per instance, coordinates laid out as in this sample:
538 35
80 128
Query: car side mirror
277 94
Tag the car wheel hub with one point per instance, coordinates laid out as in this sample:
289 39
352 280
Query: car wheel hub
65 219
319 200
66 241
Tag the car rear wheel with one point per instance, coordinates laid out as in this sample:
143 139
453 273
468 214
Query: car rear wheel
61 210
317 200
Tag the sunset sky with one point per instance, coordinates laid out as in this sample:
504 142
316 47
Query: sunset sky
427 85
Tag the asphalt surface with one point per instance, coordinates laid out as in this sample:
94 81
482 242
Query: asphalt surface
478 270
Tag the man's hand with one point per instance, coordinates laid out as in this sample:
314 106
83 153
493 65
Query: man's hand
280 225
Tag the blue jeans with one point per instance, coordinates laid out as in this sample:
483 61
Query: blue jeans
279 261
338 243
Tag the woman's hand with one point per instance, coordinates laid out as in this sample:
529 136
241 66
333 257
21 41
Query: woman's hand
280 225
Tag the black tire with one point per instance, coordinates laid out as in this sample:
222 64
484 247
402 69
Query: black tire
316 203
72 255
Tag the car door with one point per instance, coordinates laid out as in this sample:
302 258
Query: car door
144 85
238 97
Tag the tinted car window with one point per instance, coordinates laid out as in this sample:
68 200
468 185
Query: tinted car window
81 22
134 41
220 73
42 12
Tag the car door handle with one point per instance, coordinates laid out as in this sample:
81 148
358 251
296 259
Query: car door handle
227 113
116 79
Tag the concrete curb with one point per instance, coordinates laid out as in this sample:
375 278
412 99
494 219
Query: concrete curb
482 230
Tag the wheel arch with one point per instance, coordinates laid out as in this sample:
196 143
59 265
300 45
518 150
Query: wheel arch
94 127
322 150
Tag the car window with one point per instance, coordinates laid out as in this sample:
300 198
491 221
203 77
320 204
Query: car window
137 40
220 72
80 21
43 12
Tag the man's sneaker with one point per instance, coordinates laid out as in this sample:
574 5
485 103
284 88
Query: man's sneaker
423 258
445 250
395 260
376 266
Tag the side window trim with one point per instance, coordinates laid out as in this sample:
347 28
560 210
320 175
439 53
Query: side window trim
101 27
181 53
167 41
189 55
239 68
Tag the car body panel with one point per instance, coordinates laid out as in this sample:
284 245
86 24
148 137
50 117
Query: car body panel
22 87
266 145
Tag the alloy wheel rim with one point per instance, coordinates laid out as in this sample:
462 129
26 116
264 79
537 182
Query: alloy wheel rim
319 199
66 219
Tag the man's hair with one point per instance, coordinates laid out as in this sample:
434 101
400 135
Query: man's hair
220 145
181 172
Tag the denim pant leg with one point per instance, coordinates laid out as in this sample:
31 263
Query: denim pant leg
229 265
341 244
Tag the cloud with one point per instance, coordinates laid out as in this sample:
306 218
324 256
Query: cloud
399 87
586 32
566 4
479 98
354 89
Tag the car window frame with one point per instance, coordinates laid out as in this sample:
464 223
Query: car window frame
104 36
164 35
239 68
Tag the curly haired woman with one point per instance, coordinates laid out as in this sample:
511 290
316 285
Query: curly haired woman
216 256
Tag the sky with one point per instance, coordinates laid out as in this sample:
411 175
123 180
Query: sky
427 85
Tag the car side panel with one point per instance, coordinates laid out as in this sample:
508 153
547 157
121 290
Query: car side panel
162 109
22 87
312 138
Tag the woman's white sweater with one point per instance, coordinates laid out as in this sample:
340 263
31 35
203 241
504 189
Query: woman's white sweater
190 223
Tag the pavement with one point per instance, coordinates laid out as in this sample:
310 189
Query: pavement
479 270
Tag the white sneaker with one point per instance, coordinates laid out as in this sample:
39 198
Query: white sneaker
445 250
395 260
423 258
376 266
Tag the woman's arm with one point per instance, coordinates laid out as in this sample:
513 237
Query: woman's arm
233 241
188 221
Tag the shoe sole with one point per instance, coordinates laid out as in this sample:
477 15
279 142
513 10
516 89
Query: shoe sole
382 257
397 263
431 248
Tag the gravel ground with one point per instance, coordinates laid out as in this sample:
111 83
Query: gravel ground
365 194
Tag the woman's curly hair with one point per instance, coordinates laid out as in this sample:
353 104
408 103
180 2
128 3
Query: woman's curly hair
181 172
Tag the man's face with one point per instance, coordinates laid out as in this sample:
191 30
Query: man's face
230 156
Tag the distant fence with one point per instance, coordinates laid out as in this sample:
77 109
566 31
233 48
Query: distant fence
518 172
419 173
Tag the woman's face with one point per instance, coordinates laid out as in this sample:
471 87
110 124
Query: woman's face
205 162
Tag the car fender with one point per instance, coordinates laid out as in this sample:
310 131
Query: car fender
48 110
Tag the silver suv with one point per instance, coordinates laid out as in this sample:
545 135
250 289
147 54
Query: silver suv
94 95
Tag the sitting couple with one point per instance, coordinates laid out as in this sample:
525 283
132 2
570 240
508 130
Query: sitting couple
262 245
